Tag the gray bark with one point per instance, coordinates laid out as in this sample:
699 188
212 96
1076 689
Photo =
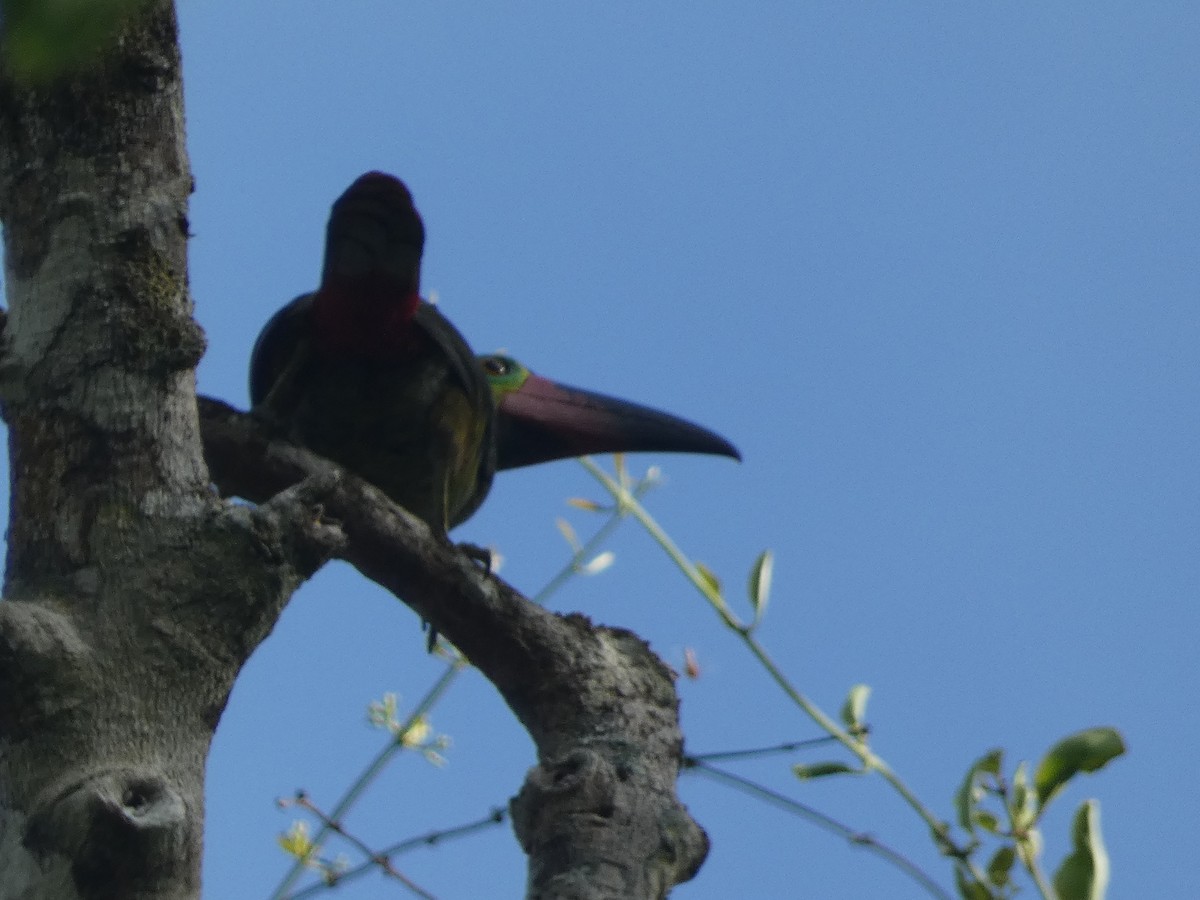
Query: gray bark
133 594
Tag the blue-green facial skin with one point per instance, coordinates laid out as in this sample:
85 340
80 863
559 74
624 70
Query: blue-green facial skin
504 374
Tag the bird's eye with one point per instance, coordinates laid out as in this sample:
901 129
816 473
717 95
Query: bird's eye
497 365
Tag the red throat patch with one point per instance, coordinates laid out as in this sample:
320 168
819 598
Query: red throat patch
368 321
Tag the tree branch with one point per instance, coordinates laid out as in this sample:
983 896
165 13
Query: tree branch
599 815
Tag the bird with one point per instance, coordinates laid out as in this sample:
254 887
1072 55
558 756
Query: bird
366 373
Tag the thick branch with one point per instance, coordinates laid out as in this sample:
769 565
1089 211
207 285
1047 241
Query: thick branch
599 815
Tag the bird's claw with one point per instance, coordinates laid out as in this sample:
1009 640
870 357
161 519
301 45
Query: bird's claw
431 635
481 555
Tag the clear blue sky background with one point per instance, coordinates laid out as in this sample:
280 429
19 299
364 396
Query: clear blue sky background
933 267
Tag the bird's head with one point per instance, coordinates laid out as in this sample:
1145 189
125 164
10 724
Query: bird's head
371 278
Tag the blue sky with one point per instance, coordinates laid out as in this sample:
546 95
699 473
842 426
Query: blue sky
933 267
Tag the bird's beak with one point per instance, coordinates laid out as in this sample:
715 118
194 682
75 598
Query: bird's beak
543 421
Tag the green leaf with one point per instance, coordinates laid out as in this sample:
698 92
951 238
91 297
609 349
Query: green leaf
1084 874
1085 751
969 888
1023 805
971 792
43 38
854 710
1000 865
760 583
296 841
820 770
709 576
988 821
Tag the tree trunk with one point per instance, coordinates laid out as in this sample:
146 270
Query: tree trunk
133 594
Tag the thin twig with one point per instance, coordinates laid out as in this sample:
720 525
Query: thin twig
828 823
494 818
707 589
374 768
725 755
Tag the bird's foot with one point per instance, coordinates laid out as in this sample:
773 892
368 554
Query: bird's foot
431 636
482 555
